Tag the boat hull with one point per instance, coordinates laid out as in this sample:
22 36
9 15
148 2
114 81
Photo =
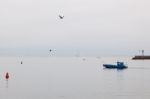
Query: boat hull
114 66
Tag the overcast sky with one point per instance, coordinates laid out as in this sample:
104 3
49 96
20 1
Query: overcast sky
90 27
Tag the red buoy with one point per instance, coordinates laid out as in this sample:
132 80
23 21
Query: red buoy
7 75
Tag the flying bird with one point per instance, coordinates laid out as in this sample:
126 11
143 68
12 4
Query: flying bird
61 17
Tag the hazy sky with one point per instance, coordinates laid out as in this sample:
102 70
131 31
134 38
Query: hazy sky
90 27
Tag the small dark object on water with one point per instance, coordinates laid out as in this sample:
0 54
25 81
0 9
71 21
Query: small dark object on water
50 50
7 75
83 59
21 62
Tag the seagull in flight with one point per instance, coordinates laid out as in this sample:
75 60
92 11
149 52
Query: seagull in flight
61 17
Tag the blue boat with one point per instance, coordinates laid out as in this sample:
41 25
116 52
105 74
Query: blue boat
120 65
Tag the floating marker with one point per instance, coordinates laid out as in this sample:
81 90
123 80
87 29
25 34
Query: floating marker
7 75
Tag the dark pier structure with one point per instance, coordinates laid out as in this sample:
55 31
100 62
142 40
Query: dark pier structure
141 57
138 57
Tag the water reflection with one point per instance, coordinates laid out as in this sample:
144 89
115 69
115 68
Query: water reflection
7 84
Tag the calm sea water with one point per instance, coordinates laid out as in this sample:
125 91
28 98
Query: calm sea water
73 78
